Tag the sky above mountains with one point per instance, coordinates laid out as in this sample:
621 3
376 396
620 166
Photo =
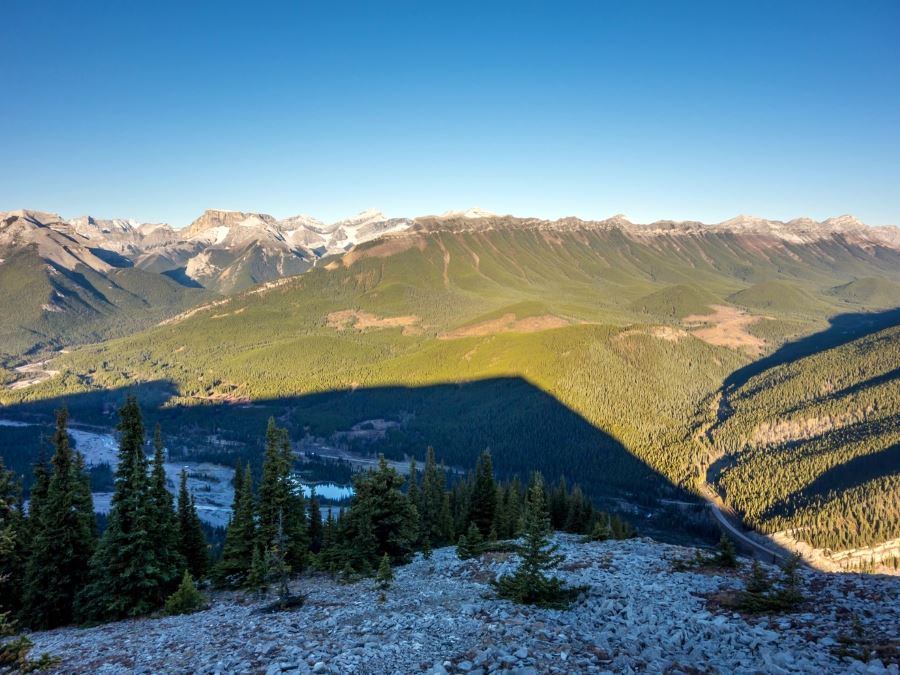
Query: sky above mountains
159 110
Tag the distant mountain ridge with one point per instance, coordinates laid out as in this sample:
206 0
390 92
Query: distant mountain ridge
227 251
56 272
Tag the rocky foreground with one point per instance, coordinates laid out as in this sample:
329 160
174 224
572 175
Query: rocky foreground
638 616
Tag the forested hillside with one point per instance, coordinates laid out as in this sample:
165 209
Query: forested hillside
583 351
813 445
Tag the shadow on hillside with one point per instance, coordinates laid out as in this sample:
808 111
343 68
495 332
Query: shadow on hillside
858 471
843 328
525 428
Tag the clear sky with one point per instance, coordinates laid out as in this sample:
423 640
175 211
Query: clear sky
687 110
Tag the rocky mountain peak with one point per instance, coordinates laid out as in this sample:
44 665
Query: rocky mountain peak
215 218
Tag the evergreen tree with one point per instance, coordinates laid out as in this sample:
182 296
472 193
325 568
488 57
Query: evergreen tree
384 578
726 556
191 540
39 486
12 530
257 579
63 538
277 567
381 519
164 530
127 575
280 496
580 512
187 599
529 584
240 538
412 490
434 522
316 530
470 544
483 502
559 505
327 558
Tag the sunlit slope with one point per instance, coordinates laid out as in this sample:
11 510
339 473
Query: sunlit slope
557 307
814 445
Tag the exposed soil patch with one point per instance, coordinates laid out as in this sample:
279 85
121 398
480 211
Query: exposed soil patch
388 247
668 333
727 327
507 324
360 320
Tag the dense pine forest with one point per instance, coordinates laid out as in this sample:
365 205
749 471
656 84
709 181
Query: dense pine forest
56 568
578 352
813 445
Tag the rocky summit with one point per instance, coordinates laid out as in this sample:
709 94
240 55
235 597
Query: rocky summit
440 615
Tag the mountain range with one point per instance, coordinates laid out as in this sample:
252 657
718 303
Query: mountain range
607 341
65 282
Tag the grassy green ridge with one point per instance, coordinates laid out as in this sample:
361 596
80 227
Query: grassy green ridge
869 292
813 445
677 301
778 296
611 366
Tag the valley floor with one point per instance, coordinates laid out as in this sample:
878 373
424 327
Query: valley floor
637 616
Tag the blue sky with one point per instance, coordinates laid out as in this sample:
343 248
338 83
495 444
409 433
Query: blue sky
665 109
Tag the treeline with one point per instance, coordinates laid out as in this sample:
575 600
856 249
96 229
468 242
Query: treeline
55 569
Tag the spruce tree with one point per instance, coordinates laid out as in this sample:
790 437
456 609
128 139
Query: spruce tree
381 519
12 531
187 599
483 502
164 530
529 583
240 538
434 522
559 505
316 532
384 578
327 560
726 555
279 495
63 538
127 576
191 540
412 490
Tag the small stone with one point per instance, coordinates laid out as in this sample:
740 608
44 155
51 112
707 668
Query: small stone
319 667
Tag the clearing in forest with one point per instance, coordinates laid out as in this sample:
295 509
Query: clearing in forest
727 327
507 324
360 320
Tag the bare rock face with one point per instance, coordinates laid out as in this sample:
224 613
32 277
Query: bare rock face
441 616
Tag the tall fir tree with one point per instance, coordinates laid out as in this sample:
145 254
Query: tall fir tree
236 562
412 483
12 536
127 574
164 530
191 540
381 519
434 524
483 502
63 538
559 505
280 497
316 528
530 583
